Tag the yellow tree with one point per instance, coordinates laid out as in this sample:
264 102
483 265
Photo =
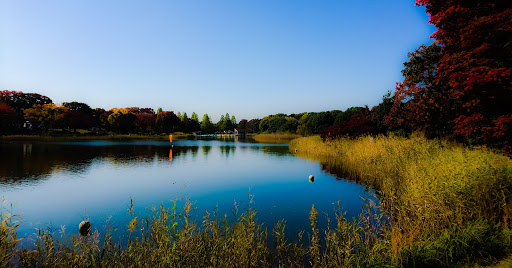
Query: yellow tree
122 119
48 115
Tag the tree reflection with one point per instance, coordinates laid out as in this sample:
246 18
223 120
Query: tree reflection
26 162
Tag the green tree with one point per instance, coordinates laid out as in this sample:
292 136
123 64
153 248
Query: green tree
290 125
264 124
233 121
221 125
159 110
303 128
207 125
380 111
346 115
276 122
195 117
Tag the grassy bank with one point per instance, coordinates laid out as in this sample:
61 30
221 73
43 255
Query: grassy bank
275 137
449 204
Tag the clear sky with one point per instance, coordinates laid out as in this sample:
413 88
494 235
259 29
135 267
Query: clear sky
249 58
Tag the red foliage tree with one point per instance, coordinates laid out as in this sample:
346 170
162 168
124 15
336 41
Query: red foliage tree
7 118
476 65
167 122
76 120
145 121
359 124
419 103
21 101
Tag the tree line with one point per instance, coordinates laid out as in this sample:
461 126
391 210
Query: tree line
22 113
17 109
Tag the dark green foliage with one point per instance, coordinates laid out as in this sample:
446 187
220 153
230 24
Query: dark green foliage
276 122
254 125
381 110
290 125
347 114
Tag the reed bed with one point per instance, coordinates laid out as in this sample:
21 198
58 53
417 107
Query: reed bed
447 202
275 137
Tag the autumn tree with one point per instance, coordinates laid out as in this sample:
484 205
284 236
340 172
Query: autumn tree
476 65
47 115
122 120
242 124
78 115
167 122
145 122
21 101
419 103
7 119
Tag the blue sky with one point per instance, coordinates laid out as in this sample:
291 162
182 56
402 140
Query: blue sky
249 58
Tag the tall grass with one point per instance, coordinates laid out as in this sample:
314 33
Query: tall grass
448 203
275 137
168 238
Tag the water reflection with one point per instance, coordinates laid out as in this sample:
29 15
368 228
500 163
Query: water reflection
22 163
206 150
333 166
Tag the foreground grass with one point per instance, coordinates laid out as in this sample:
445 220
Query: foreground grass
168 238
449 204
275 137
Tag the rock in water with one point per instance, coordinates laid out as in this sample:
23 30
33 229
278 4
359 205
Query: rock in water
311 178
84 228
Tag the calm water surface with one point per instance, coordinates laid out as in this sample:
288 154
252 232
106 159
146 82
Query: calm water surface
61 183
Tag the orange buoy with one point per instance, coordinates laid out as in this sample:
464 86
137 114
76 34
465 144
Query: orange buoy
170 138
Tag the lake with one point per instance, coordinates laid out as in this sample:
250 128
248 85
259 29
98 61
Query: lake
54 184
